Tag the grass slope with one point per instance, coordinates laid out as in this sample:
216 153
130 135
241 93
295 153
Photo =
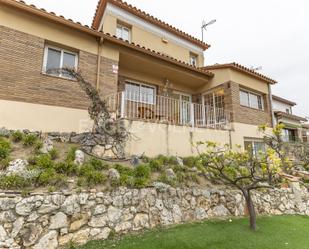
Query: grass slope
281 232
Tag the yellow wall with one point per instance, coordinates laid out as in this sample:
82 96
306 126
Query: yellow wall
240 131
154 139
151 138
20 115
150 40
226 74
48 30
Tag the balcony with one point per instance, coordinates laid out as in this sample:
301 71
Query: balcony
167 110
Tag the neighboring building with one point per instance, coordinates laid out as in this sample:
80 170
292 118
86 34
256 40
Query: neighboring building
150 73
305 133
294 125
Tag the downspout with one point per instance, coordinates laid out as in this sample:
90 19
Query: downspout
271 106
100 43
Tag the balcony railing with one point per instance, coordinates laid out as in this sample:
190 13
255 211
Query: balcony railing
166 110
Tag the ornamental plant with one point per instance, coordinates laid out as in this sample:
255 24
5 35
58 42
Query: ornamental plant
244 170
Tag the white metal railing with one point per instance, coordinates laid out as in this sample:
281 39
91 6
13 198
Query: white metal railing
166 110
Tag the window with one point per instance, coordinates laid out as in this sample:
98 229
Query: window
254 146
123 32
57 58
251 100
289 135
305 136
215 106
193 59
288 111
140 93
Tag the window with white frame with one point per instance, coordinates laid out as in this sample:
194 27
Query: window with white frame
193 59
123 32
138 92
58 58
255 146
252 100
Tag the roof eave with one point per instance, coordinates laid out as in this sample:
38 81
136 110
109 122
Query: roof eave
103 3
277 98
242 69
69 23
291 116
148 51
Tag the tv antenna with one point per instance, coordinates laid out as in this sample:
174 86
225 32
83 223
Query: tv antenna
205 25
256 68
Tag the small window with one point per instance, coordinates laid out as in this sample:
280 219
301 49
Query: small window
251 100
289 135
140 93
123 32
288 111
305 136
57 58
193 59
255 146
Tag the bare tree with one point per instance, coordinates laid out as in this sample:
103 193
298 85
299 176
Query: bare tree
106 131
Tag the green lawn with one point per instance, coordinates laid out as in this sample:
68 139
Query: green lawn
281 232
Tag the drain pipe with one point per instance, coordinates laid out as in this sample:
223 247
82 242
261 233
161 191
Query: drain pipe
271 105
100 43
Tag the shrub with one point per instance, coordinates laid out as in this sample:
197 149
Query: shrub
89 176
5 148
44 161
14 181
187 178
54 154
167 160
163 178
192 162
141 175
4 163
123 170
17 136
71 154
126 175
66 168
98 164
155 165
50 177
38 145
30 139
137 177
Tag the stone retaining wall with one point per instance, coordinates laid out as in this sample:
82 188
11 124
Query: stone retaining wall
53 220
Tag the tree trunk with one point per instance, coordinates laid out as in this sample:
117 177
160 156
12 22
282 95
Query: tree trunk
251 209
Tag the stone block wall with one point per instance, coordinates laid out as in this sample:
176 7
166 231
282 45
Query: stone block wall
52 220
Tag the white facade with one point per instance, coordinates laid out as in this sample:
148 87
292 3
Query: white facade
279 106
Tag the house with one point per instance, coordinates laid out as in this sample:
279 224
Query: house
305 133
151 74
295 129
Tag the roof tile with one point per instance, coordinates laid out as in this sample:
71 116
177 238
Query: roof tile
244 69
86 28
102 5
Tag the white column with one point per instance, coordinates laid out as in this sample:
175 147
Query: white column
192 114
215 111
123 103
203 111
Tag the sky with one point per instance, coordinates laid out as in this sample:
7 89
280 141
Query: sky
272 34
